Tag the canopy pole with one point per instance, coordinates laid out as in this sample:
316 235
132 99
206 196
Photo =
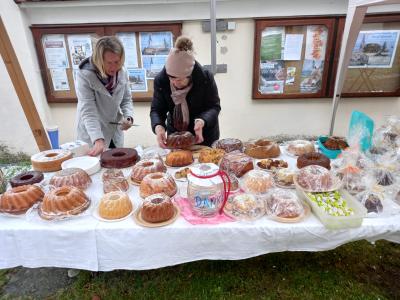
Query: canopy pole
213 25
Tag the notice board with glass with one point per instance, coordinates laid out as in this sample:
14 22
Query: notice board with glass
374 68
60 50
292 57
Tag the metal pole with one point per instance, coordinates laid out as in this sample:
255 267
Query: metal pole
334 110
213 25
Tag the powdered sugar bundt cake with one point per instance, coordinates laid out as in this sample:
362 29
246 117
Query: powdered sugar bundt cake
157 183
179 158
146 166
157 208
71 177
299 147
62 202
26 178
50 160
114 180
180 140
262 148
115 205
19 199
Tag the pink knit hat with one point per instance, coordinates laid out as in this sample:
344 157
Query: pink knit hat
180 60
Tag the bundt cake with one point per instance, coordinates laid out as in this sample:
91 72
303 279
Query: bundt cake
228 145
299 147
157 183
115 205
336 143
179 158
71 177
313 158
157 208
63 202
19 199
237 163
210 155
119 158
26 178
146 166
257 182
50 160
180 140
262 148
114 180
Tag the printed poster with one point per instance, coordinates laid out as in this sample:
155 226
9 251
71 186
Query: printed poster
293 47
290 75
273 70
271 43
374 49
155 43
311 76
80 47
137 80
153 64
129 42
60 79
55 51
272 87
316 40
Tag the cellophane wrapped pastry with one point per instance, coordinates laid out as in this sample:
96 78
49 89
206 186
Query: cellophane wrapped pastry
237 163
284 204
316 179
243 206
256 182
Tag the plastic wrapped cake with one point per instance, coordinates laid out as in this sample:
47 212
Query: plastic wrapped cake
244 206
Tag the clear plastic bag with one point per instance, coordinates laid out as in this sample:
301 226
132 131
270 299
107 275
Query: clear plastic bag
256 182
237 163
284 204
229 144
316 179
245 207
114 180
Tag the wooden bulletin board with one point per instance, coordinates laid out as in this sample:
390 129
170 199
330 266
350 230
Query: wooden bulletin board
95 31
367 80
291 83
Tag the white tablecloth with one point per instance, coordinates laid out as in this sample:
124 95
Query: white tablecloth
87 243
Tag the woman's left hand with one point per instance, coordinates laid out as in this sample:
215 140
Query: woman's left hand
198 130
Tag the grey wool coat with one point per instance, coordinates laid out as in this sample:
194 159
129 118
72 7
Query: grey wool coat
97 107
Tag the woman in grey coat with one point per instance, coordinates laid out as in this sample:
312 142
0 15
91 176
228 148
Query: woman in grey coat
104 97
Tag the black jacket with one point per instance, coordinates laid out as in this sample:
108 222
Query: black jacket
202 99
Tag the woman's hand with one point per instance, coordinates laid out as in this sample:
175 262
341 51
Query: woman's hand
126 123
198 130
98 148
161 137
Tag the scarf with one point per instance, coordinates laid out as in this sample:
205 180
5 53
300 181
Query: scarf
180 115
109 83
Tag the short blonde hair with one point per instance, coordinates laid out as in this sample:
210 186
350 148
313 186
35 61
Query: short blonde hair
104 44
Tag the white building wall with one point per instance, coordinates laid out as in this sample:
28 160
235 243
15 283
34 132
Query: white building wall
241 116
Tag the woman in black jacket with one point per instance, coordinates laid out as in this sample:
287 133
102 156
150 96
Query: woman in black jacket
185 97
